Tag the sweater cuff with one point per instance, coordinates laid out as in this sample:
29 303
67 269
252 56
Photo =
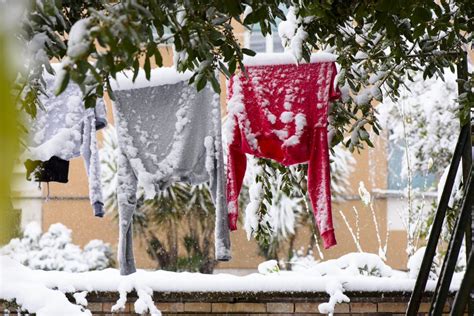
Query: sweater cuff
233 221
98 209
329 239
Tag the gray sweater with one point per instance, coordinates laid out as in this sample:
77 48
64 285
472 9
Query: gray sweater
168 133
67 130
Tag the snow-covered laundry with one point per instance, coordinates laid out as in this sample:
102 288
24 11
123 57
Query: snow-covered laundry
167 132
279 111
65 129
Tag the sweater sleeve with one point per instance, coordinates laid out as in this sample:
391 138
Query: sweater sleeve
236 165
90 154
217 188
319 186
127 201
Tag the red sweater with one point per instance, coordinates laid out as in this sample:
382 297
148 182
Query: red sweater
280 112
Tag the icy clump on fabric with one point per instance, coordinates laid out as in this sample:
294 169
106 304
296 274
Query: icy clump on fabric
54 250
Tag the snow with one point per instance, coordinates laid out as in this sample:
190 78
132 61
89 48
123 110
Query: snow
251 220
361 55
158 77
300 123
54 250
286 117
335 291
292 33
80 298
42 292
79 41
265 59
267 267
456 185
364 194
247 11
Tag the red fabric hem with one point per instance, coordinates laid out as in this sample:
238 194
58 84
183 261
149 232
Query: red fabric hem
233 221
329 239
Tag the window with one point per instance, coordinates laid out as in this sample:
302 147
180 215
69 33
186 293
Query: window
397 179
264 44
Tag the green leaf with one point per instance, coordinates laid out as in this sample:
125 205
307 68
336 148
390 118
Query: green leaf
249 52
224 69
215 84
63 83
158 58
201 83
90 101
147 68
136 69
421 15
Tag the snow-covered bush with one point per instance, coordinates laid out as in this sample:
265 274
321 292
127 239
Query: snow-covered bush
423 124
302 260
424 121
354 264
414 265
54 250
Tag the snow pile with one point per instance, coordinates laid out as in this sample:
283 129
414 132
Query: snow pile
42 292
335 291
352 264
267 267
33 294
54 250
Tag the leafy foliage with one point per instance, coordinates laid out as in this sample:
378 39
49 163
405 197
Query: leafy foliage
54 250
377 42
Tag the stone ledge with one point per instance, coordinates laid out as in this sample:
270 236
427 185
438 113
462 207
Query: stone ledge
255 303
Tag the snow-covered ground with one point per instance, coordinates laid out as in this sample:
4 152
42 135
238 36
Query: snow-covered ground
43 292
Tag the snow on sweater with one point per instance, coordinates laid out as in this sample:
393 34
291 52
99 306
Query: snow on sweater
279 111
67 130
167 132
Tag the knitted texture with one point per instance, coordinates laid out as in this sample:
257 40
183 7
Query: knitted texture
280 112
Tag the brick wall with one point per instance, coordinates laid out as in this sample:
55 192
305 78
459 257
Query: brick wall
256 304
